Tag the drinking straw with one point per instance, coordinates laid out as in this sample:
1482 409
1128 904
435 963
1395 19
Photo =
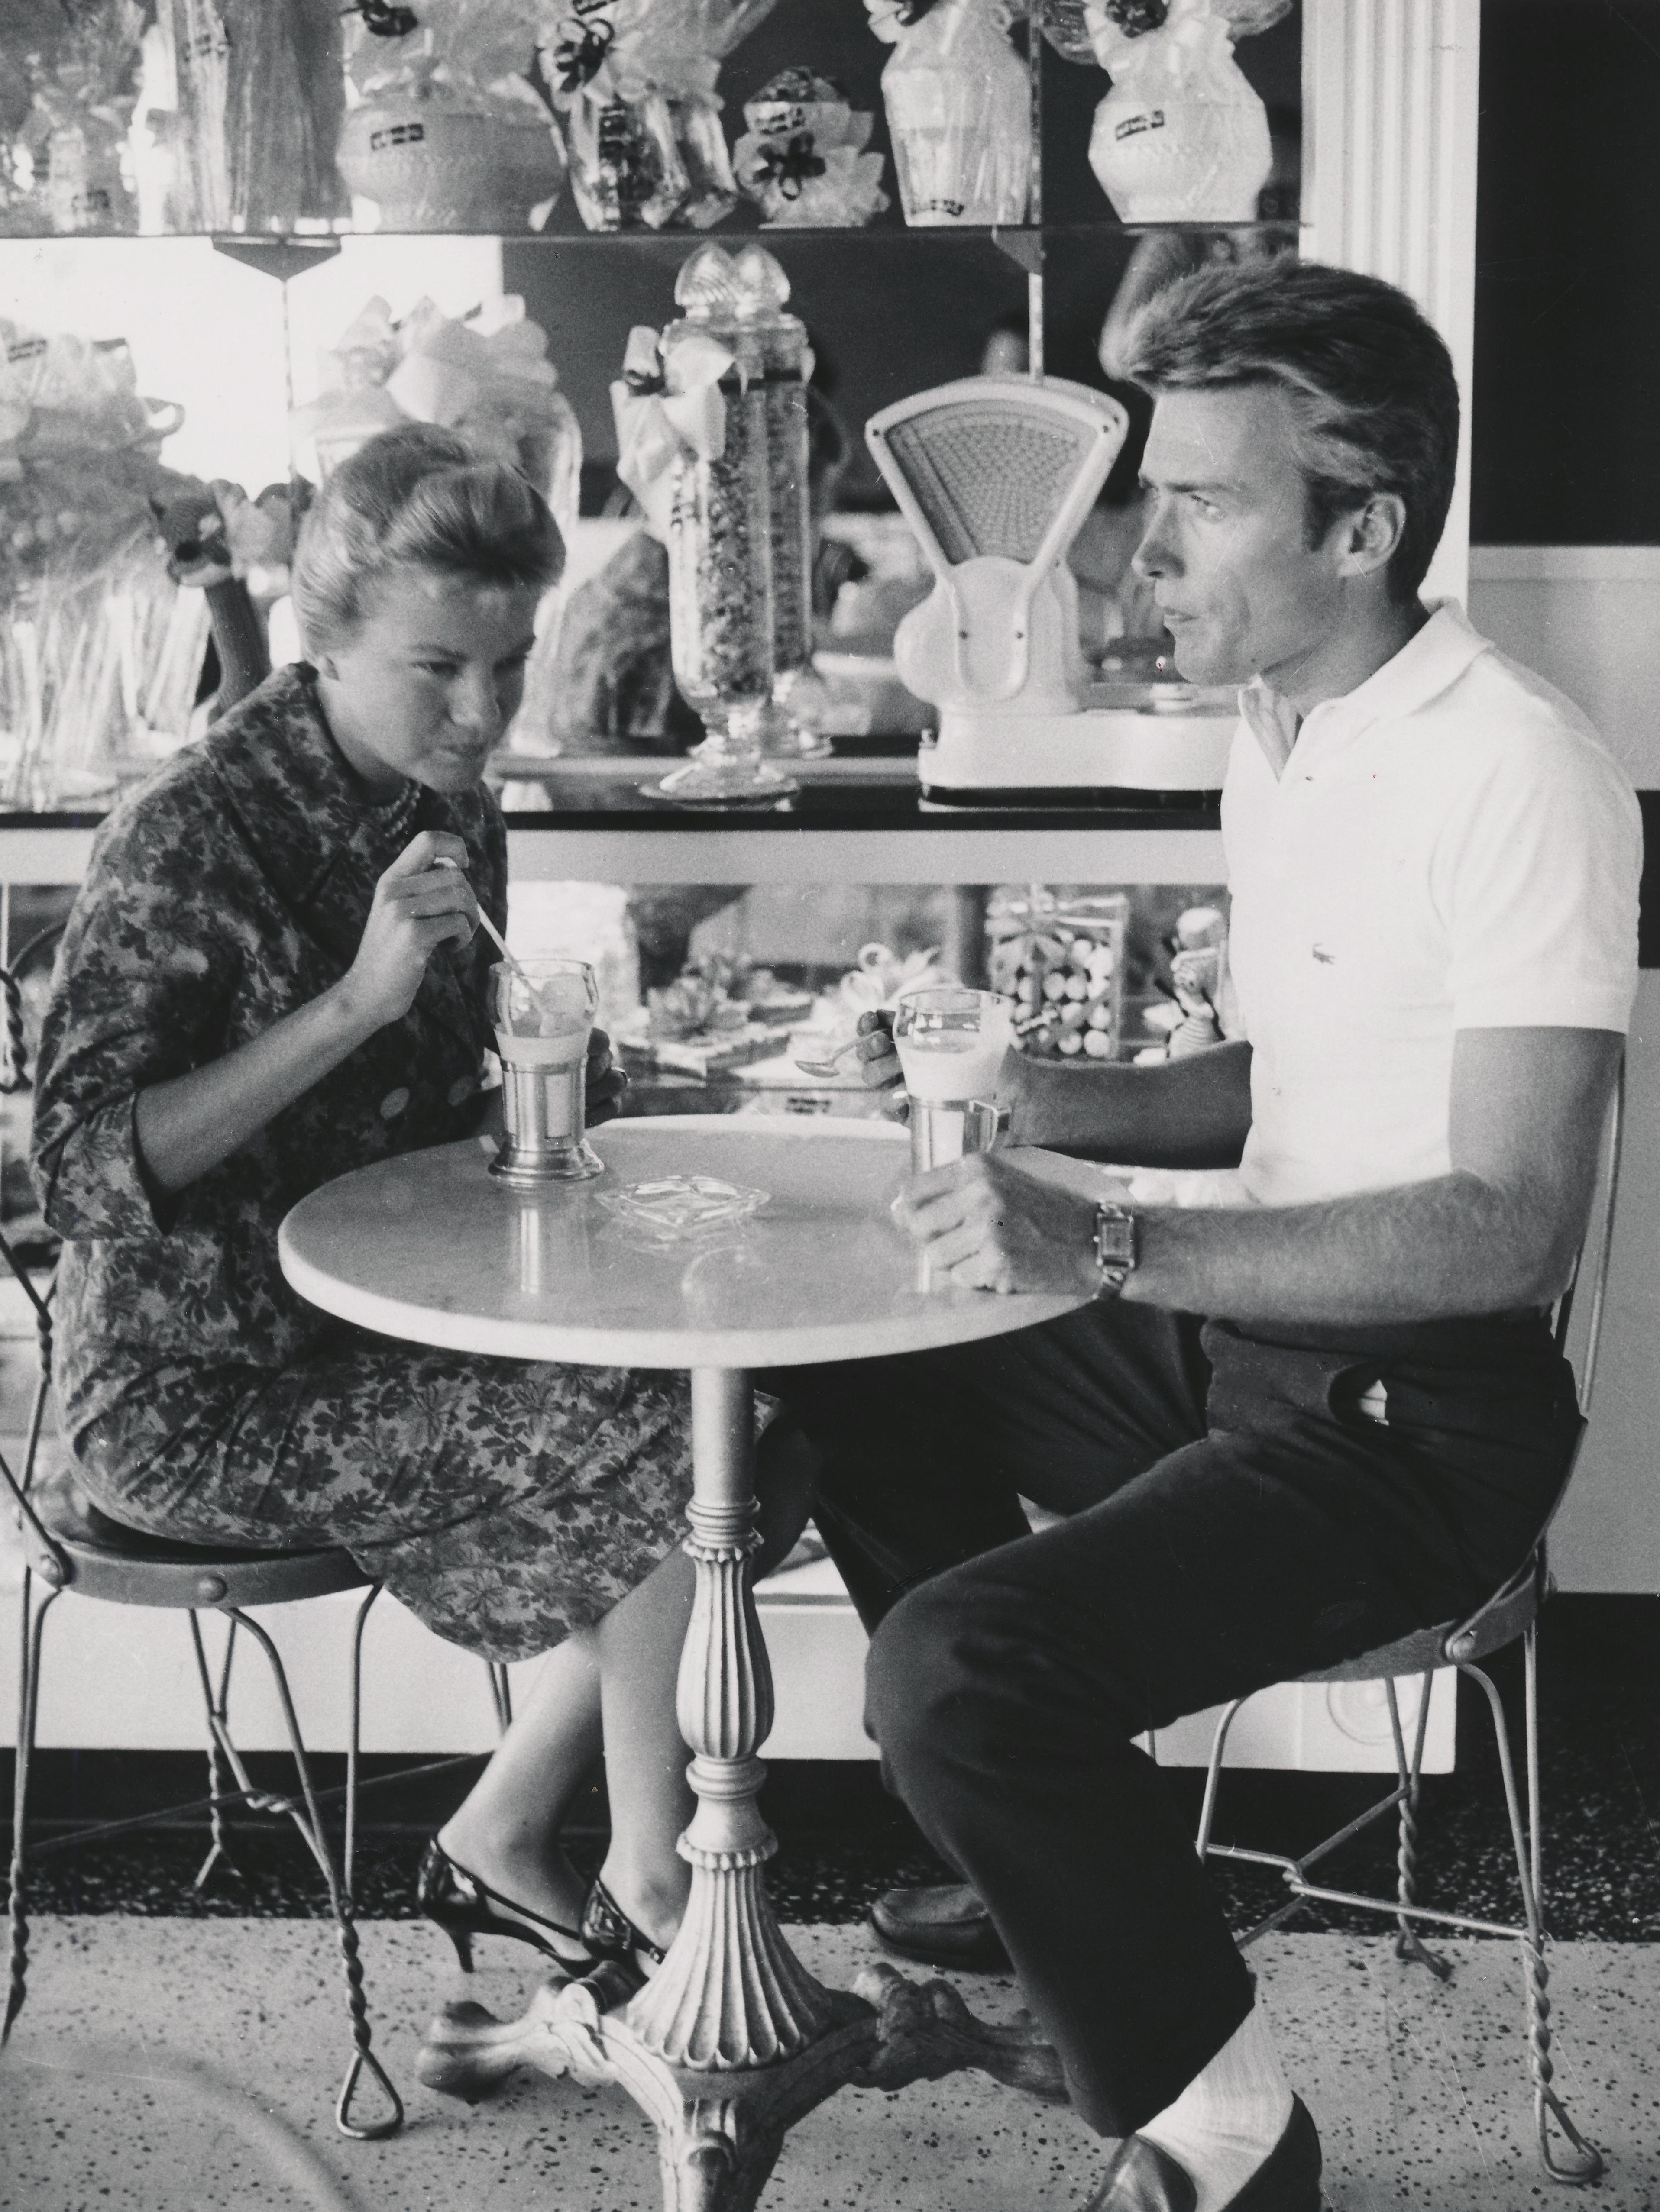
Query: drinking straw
496 938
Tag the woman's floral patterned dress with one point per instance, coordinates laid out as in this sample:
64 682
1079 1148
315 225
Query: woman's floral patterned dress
506 1502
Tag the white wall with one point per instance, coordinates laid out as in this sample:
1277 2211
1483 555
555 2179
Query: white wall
220 338
1588 619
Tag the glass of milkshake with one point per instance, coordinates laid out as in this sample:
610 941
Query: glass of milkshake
542 1011
951 1043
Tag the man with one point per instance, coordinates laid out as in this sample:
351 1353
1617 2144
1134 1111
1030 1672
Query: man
1433 865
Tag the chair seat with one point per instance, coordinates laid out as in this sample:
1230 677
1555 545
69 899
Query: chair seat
1505 1617
127 1566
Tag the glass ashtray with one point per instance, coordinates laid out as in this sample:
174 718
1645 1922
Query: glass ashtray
676 1207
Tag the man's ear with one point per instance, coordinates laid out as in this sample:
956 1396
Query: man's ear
1368 537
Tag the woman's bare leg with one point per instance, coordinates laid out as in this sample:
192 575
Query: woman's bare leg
506 1831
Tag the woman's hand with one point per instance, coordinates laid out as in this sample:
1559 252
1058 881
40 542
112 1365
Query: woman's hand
422 900
603 1097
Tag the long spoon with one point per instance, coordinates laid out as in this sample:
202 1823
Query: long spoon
828 1066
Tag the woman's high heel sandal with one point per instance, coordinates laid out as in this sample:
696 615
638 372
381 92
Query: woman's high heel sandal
463 1906
610 1934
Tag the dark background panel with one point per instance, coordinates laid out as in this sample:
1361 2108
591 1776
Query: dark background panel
889 315
1565 429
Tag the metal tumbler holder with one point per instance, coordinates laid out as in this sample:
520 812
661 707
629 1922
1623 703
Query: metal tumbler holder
945 1130
545 1111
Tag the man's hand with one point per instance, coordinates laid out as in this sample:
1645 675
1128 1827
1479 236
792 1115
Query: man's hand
603 1097
998 1221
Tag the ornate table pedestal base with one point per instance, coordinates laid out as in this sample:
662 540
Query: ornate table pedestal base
720 2133
732 2041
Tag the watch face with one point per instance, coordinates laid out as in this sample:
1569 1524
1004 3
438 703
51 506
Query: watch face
1115 1238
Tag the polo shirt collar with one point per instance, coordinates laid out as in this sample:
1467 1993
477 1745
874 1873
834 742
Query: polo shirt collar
1427 665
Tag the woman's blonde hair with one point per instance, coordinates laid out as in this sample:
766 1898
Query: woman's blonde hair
416 497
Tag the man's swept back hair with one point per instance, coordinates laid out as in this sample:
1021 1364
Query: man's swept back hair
1373 396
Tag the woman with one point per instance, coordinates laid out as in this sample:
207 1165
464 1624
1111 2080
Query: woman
271 976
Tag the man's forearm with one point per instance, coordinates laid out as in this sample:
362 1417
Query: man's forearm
1192 1113
1456 1245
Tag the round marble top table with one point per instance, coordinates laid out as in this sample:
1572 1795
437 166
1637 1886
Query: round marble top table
430 1246
732 2040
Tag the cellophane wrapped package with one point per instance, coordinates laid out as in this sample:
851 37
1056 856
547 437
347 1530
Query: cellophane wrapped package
100 651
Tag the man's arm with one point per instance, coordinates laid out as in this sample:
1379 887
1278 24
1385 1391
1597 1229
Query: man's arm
1496 1234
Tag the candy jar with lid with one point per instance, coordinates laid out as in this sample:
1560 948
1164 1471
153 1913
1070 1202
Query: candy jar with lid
783 364
719 536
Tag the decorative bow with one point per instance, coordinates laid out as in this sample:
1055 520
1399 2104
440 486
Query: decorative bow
667 404
787 163
383 20
581 51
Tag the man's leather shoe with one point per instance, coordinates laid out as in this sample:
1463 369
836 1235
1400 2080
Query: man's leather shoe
1144 2178
946 1926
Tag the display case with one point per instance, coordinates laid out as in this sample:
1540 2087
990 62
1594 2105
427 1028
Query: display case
1372 116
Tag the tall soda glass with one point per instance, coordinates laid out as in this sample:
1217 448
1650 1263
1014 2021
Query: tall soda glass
952 1045
543 1011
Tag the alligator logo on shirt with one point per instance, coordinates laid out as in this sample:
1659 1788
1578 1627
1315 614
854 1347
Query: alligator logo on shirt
1326 959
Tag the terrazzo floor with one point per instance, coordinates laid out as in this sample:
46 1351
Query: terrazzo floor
171 2066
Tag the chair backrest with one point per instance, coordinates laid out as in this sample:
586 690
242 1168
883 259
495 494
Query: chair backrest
1596 1251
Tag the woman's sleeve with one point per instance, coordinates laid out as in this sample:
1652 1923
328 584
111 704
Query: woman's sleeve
139 994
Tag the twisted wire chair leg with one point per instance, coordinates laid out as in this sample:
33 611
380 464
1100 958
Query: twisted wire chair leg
355 1734
310 1825
29 1707
1586 2163
1409 1946
217 1701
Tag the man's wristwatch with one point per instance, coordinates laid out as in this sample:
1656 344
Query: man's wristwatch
1115 1245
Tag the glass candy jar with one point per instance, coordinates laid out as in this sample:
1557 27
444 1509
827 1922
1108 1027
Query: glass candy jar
719 544
783 364
1059 956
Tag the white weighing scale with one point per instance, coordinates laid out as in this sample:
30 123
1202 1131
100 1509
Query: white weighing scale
994 475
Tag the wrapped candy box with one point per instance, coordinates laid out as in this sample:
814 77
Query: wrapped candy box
626 169
450 135
959 110
1060 957
636 80
802 159
99 653
68 81
249 119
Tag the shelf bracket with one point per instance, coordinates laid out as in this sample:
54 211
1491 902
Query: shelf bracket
280 257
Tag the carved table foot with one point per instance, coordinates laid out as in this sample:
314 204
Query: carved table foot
720 2131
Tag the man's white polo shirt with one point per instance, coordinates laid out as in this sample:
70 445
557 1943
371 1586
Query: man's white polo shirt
1449 846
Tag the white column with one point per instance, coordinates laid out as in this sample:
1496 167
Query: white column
1389 113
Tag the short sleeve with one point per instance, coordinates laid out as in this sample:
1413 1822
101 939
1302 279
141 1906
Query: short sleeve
1536 874
143 980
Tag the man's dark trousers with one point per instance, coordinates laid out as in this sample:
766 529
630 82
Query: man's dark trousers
1233 1521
